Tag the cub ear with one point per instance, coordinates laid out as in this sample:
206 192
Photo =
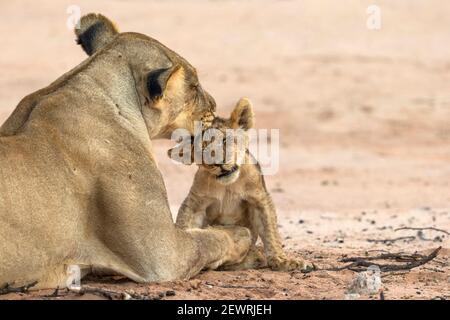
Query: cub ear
242 116
94 31
159 80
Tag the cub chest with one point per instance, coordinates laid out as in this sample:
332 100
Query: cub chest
229 208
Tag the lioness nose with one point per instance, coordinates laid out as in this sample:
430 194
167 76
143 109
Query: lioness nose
226 167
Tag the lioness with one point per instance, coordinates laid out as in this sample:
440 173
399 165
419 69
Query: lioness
232 191
78 181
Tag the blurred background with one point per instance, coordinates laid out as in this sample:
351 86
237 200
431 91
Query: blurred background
364 114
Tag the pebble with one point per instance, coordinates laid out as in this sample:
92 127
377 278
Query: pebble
170 293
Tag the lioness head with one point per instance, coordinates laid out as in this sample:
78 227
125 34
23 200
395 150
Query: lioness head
223 146
167 87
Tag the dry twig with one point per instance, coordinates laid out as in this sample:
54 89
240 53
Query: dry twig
24 289
116 295
421 229
232 286
389 241
361 264
400 257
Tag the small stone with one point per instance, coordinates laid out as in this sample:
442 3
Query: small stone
170 293
126 296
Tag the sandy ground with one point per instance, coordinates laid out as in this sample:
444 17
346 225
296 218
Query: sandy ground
363 118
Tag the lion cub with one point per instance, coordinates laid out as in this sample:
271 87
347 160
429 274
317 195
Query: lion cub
234 193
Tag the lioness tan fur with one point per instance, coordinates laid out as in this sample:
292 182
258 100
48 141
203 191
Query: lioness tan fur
78 181
234 193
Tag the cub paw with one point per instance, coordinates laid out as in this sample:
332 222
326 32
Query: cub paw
288 264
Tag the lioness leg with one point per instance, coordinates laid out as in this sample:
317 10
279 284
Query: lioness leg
190 251
255 259
219 246
136 227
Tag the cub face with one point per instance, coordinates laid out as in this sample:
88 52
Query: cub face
223 145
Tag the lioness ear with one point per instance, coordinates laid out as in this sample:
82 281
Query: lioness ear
94 31
242 116
159 80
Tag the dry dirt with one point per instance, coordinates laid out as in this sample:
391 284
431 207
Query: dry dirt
364 119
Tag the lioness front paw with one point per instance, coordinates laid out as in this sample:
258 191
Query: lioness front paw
240 243
288 264
255 259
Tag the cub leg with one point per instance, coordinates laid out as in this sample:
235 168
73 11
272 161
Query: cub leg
265 219
192 212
